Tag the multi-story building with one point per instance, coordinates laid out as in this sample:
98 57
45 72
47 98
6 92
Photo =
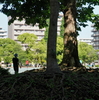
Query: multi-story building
95 36
19 27
3 33
87 40
59 22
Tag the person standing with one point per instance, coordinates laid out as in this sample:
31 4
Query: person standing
15 63
27 63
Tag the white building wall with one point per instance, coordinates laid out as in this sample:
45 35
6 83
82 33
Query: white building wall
3 33
87 40
19 27
95 36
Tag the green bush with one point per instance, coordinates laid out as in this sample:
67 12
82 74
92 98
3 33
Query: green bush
96 65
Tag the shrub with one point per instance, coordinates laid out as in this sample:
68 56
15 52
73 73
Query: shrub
96 65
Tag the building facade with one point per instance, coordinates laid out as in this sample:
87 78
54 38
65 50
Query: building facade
95 40
3 33
87 40
19 27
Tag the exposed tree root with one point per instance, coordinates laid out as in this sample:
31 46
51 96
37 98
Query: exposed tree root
70 85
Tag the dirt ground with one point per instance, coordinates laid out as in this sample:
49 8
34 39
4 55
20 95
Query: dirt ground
37 85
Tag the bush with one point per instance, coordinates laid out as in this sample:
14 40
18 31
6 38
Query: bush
96 65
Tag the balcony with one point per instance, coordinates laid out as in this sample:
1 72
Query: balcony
4 34
95 45
94 35
95 40
94 30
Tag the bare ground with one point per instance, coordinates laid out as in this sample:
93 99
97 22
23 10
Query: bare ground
72 84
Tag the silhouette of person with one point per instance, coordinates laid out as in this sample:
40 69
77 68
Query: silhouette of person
15 63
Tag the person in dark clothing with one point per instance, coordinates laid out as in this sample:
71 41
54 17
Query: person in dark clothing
15 63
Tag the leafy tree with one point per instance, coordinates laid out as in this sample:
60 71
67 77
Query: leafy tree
32 11
39 52
86 52
22 57
8 48
75 15
36 51
29 40
37 12
62 28
59 49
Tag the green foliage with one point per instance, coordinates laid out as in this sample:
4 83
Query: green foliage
29 40
33 11
35 51
8 48
59 49
62 28
85 12
96 65
22 56
86 52
38 11
39 52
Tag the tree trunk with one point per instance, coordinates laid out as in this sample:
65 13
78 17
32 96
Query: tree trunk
70 56
52 65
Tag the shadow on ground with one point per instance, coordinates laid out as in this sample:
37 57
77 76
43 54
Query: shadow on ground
72 84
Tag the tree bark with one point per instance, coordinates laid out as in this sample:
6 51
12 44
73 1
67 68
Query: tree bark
70 56
52 65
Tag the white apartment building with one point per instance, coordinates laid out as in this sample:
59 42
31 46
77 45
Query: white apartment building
59 22
95 36
87 40
19 27
3 33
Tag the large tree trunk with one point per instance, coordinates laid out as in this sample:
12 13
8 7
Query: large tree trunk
70 56
52 66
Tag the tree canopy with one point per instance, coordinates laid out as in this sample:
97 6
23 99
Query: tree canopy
86 52
27 38
59 49
8 48
37 11
33 11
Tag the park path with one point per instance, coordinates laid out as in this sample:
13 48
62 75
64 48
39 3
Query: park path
22 69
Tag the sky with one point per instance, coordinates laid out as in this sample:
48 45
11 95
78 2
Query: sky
85 33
